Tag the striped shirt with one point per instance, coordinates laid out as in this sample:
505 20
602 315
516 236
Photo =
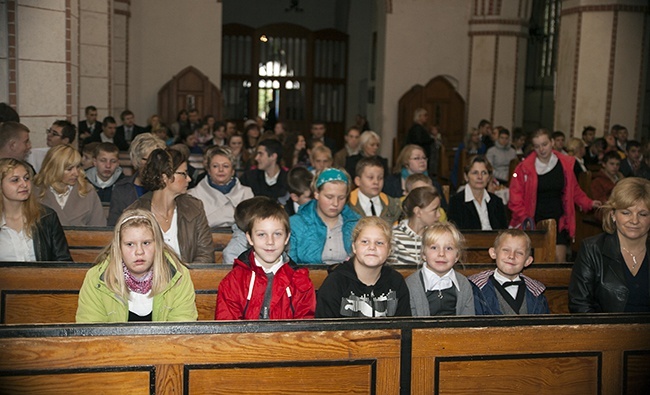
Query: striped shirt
407 245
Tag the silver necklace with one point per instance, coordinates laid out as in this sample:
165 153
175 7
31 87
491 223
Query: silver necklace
634 262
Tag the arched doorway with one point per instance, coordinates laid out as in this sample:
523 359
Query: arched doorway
445 106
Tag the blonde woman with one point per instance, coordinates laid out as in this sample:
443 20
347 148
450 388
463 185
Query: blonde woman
63 187
137 277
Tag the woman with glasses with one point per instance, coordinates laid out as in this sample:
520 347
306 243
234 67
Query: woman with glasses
475 207
63 187
411 160
181 217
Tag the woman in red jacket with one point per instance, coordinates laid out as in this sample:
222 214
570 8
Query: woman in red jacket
264 282
544 186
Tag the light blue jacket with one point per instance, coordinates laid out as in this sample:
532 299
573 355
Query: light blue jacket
308 233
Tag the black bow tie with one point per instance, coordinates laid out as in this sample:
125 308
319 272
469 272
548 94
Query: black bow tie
509 283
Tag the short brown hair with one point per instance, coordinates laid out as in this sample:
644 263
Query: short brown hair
10 130
105 147
478 159
266 209
299 180
417 177
368 161
513 233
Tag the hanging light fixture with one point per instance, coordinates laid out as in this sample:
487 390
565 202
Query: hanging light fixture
294 5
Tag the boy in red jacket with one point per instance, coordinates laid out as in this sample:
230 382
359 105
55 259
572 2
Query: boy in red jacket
264 282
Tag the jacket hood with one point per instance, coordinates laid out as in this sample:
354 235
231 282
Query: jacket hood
91 175
347 269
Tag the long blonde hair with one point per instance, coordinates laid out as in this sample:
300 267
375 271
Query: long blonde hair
32 209
56 161
162 271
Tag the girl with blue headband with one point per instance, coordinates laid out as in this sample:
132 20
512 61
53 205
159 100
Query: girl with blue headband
322 229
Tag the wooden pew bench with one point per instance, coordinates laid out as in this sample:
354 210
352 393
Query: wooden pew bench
86 242
48 292
608 354
543 239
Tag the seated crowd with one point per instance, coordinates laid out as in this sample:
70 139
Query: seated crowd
292 199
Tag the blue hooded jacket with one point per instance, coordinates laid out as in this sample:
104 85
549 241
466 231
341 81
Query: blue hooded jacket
309 232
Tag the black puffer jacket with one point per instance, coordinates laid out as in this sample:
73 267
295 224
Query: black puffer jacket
50 243
598 277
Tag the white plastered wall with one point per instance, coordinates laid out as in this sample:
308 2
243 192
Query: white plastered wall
166 36
419 47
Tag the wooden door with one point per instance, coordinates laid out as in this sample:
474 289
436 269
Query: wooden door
445 106
189 89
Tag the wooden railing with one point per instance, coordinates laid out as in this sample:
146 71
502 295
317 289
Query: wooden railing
48 292
605 354
86 242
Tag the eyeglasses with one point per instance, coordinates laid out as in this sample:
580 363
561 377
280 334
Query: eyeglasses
182 173
52 132
419 158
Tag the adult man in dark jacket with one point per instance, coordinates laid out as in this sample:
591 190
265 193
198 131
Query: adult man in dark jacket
268 179
129 129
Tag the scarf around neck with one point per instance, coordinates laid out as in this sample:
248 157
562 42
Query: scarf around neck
138 285
225 189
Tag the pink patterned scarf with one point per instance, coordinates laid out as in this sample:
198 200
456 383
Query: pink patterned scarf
138 285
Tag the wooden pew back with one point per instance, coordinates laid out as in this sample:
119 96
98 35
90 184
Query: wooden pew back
86 242
48 292
559 355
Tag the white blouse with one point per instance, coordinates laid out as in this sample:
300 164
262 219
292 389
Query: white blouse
15 246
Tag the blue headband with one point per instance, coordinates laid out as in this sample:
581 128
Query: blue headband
329 175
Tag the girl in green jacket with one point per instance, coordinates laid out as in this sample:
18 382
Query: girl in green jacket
137 278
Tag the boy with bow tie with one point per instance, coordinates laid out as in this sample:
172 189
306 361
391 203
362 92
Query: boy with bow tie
505 291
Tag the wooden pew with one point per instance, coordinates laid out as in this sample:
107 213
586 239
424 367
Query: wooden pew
551 355
608 354
86 242
542 240
48 292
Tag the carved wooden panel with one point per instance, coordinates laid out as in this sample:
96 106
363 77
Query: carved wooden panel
445 106
189 89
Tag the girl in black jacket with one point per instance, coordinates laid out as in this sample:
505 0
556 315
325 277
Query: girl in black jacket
29 231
